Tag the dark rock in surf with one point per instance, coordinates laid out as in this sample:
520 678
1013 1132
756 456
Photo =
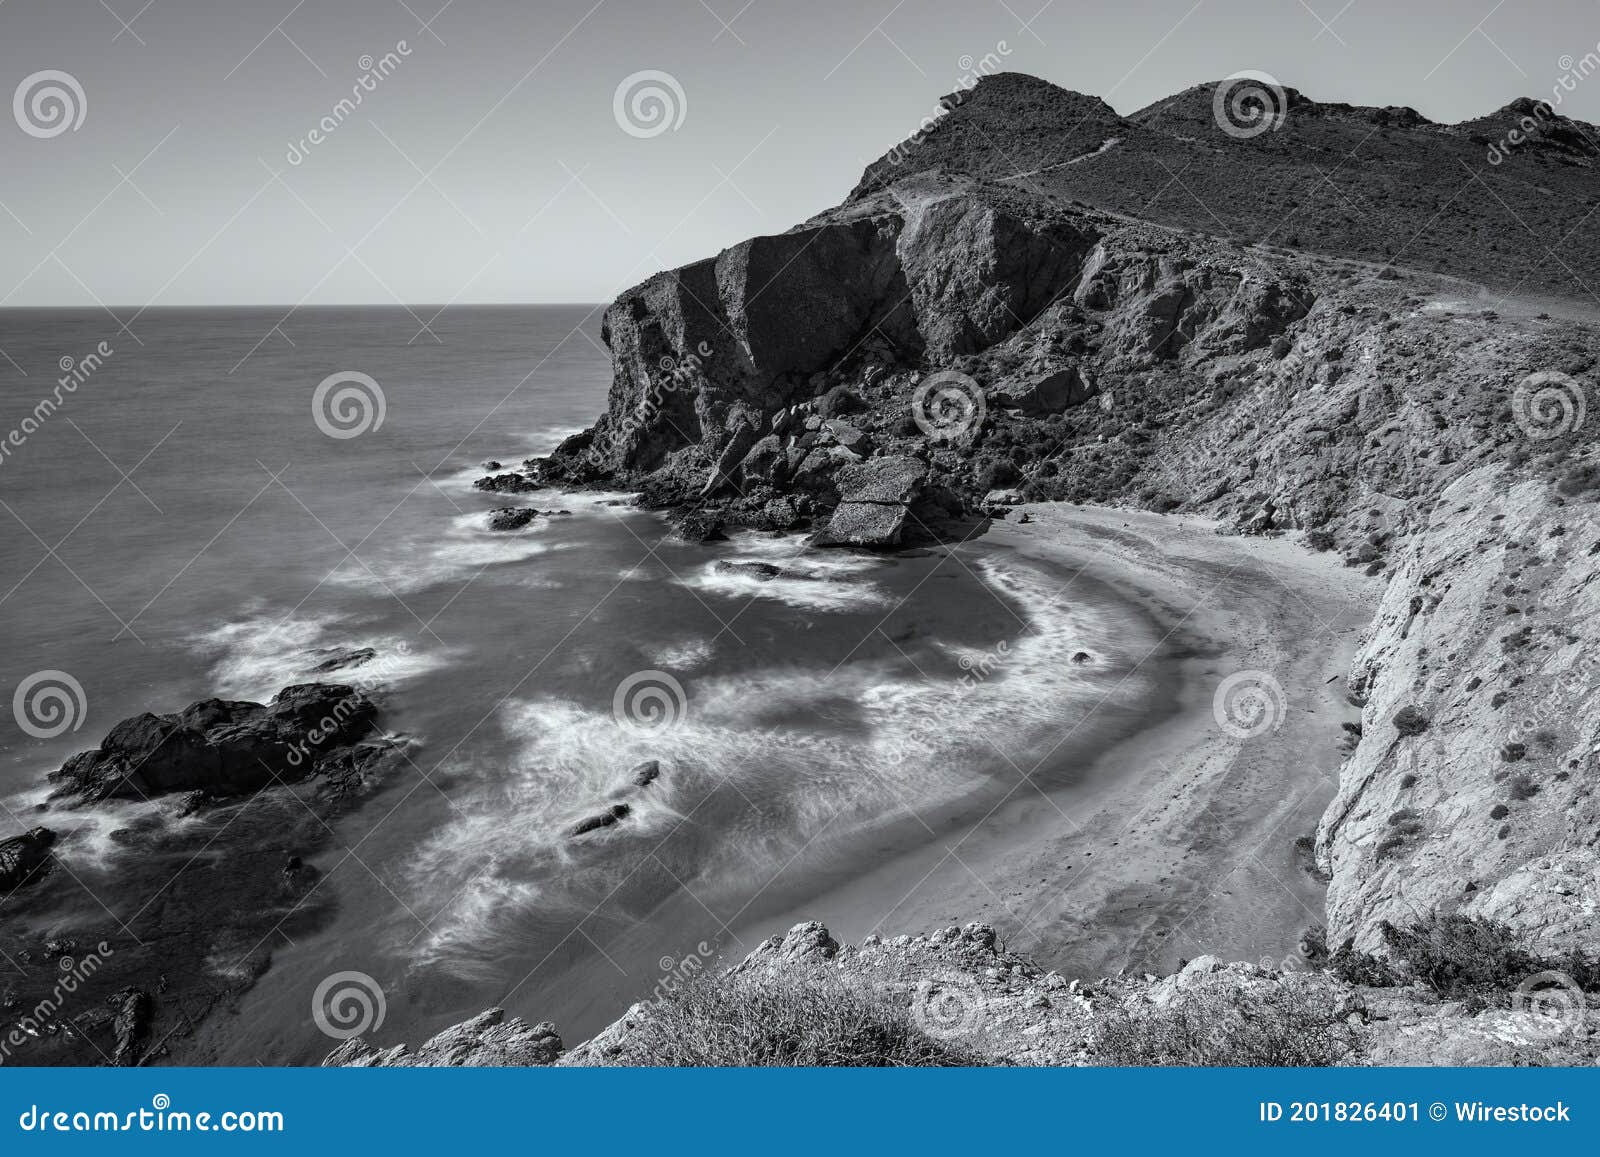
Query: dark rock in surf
605 819
341 659
511 517
646 773
764 571
226 748
508 483
25 859
699 526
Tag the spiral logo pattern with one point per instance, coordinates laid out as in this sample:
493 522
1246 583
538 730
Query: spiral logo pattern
49 103
948 405
364 62
66 362
347 1004
666 964
1554 1003
649 701
648 103
1248 104
348 404
947 1007
49 703
160 1102
1548 404
1248 704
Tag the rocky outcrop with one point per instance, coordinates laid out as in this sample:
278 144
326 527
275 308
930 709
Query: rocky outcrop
487 1040
24 858
1014 311
961 986
192 900
226 748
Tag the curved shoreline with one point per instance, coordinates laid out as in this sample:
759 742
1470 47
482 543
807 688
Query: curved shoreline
1178 839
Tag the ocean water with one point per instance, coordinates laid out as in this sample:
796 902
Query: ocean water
182 525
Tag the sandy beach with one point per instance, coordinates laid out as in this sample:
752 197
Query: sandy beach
1179 839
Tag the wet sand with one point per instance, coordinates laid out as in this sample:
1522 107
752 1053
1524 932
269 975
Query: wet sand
1179 839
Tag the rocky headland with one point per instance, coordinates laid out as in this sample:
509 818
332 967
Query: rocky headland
1388 365
1395 372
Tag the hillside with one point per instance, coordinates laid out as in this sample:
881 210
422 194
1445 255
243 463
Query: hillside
1383 185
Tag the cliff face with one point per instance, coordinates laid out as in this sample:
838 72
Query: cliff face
1486 805
951 331
945 321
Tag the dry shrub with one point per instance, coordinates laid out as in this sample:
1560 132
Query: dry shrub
1294 1021
800 1017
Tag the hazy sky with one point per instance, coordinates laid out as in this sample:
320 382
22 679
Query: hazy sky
489 165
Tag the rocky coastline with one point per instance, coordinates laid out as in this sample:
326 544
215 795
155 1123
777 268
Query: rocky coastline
957 338
120 954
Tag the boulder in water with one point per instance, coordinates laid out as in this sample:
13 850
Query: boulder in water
605 819
224 747
24 858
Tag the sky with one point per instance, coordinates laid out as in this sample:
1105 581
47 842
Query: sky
491 161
